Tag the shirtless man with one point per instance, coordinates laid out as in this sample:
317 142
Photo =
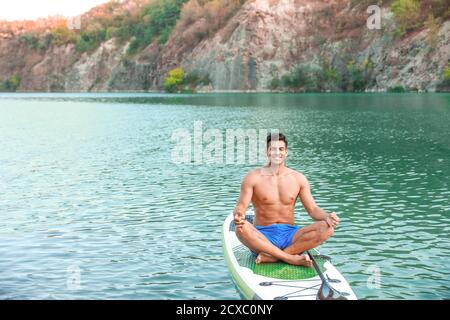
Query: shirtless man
273 191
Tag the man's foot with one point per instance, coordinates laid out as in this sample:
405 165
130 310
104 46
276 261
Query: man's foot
265 258
298 260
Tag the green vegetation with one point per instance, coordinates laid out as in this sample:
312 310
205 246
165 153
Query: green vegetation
11 84
444 85
275 84
154 21
359 75
407 13
179 81
174 80
352 77
157 21
33 41
396 89
63 35
195 79
30 39
414 14
446 73
90 39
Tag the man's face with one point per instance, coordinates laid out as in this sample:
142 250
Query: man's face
277 152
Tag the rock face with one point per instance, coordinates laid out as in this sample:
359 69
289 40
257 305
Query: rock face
270 38
265 39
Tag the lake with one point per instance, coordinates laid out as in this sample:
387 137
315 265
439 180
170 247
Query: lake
93 205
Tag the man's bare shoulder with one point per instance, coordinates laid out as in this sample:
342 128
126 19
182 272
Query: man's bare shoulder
252 176
300 177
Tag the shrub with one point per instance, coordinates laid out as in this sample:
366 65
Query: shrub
358 81
299 77
330 74
31 40
407 13
174 80
330 78
275 83
302 78
446 73
63 35
156 22
111 32
44 43
357 76
90 39
286 81
396 89
11 84
195 79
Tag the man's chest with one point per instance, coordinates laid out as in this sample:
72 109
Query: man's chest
275 190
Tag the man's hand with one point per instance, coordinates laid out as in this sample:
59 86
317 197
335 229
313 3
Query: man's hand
239 220
332 219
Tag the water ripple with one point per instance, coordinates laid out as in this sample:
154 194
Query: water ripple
87 184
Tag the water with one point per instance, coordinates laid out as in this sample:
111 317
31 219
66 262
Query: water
93 207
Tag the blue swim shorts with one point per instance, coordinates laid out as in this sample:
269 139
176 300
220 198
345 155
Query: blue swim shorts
280 235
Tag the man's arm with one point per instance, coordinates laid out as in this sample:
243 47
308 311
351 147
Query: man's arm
244 200
312 208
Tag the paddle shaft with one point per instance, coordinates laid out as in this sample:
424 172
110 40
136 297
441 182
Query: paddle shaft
330 291
316 266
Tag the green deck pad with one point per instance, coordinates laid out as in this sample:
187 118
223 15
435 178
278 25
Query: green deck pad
276 270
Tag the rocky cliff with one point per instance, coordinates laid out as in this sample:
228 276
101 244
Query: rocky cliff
258 48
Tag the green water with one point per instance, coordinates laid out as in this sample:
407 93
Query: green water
92 205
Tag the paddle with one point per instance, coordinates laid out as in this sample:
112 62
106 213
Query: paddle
326 292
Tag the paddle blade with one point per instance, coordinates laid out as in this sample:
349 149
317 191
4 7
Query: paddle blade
326 292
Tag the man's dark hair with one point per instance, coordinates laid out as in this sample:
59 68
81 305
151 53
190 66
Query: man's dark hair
275 136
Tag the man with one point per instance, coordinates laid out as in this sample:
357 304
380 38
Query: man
273 191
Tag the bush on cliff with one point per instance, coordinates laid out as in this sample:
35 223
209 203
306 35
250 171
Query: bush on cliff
156 22
36 42
414 14
407 13
195 79
63 35
174 80
11 84
398 88
90 39
444 85
352 77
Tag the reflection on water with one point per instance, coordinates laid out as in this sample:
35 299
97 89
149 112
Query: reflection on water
87 184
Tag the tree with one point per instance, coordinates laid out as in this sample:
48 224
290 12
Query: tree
174 80
63 35
11 85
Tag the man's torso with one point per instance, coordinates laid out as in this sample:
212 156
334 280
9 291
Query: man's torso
274 197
